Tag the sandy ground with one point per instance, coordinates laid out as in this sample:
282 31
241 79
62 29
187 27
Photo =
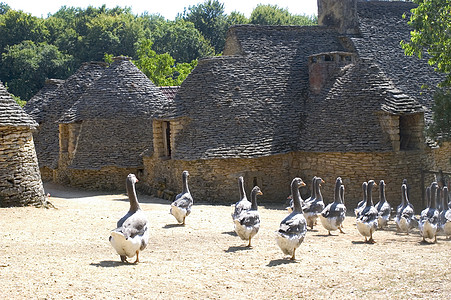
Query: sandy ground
64 253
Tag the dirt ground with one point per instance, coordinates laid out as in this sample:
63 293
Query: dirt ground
64 253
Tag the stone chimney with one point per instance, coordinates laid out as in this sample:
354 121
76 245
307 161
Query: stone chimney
324 66
341 14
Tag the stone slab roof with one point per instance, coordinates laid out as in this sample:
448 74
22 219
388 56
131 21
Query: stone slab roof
11 114
116 114
49 104
382 28
345 116
250 105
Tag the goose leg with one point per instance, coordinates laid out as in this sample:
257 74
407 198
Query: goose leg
249 245
330 233
137 257
293 256
341 230
123 258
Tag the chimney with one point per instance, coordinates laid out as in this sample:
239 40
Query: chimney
341 14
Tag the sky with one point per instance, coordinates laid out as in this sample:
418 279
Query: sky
167 8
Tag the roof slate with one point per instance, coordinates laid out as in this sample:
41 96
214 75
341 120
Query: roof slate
11 114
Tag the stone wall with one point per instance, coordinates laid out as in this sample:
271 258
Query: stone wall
215 181
20 179
107 178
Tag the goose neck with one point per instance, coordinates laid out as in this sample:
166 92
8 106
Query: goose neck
131 192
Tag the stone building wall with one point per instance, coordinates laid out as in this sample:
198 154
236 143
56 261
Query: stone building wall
107 178
20 179
215 180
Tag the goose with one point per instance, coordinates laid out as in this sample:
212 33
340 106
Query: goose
362 202
293 228
383 207
309 199
404 181
248 222
429 217
405 214
367 219
131 235
334 213
243 204
446 214
314 207
181 207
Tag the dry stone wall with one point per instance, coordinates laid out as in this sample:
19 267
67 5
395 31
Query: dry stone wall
20 179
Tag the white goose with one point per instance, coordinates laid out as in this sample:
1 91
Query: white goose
247 223
293 228
362 202
383 207
367 220
405 214
314 207
429 217
446 214
181 207
334 213
243 204
131 234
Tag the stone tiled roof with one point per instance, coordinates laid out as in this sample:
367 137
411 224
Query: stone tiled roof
48 105
250 105
11 114
382 28
116 112
345 116
169 91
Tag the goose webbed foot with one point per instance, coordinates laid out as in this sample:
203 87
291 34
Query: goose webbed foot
341 230
123 258
294 254
371 241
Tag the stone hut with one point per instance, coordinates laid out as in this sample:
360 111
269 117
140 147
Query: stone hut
20 183
338 99
106 130
48 105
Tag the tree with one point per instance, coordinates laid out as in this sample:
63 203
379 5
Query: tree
181 40
431 24
161 68
4 7
274 15
209 18
236 18
27 65
441 118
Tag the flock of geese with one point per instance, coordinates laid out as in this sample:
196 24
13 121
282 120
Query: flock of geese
132 234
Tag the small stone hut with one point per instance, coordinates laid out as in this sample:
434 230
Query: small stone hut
49 104
106 130
20 179
338 99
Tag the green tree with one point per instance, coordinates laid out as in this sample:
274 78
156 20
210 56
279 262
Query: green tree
209 18
431 38
274 15
161 68
17 26
236 18
441 126
26 66
431 24
181 40
4 7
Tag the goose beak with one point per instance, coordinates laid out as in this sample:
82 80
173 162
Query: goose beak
260 193
303 184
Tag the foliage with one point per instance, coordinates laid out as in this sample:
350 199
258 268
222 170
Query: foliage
33 49
27 65
181 40
274 15
209 18
431 23
161 68
4 7
441 115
